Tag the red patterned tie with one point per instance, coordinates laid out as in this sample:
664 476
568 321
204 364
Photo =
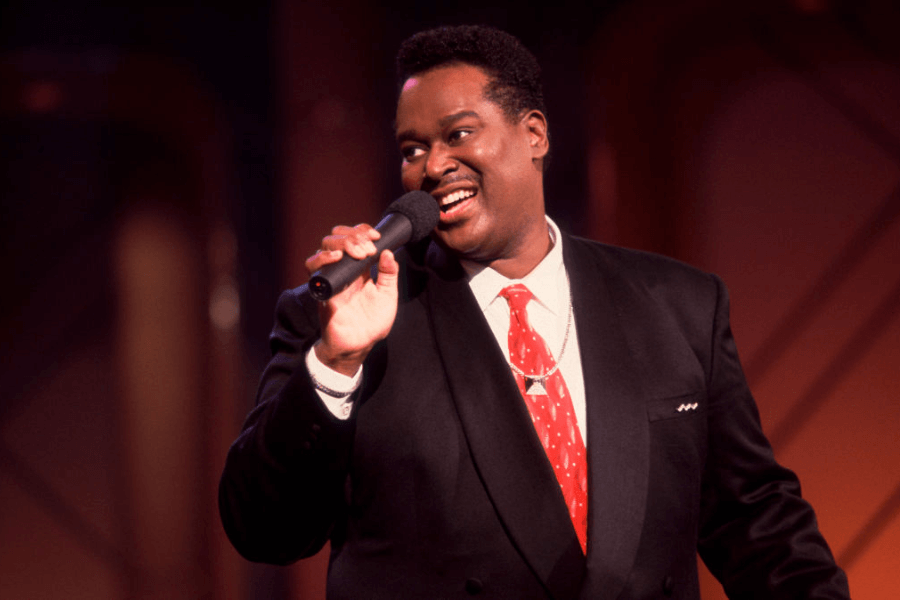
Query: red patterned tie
550 407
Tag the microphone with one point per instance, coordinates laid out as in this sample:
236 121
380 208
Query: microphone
409 218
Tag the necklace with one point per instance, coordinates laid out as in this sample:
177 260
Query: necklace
534 384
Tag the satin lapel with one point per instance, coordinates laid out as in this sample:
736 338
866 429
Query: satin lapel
501 437
618 435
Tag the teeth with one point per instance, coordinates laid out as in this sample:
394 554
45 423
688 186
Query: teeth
457 196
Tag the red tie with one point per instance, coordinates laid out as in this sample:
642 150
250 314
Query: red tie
550 407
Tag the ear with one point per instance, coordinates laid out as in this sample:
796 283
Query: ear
536 126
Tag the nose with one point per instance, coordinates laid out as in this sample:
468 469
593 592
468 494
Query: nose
439 162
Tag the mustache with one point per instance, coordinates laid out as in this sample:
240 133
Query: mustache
429 184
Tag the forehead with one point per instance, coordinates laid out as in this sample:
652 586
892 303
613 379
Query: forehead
442 91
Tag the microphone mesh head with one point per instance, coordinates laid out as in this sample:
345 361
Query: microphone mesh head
420 208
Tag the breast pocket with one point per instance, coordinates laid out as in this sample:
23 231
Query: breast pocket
678 448
675 407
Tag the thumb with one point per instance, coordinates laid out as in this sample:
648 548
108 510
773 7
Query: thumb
388 271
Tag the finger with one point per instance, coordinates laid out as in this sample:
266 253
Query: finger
361 231
322 258
367 230
361 241
355 241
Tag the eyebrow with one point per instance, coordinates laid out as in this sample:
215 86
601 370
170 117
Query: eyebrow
402 136
457 116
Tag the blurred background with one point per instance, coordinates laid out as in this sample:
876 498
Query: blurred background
167 169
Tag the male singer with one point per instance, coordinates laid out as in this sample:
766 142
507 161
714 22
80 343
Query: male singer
506 410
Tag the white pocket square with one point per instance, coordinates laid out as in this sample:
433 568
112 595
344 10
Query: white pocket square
686 407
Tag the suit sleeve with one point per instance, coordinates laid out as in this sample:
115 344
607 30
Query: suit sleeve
757 534
281 491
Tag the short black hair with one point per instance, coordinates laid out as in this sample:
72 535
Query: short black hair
514 72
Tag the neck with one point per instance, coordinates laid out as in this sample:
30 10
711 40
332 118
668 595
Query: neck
531 252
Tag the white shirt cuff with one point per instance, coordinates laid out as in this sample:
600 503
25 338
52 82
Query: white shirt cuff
333 388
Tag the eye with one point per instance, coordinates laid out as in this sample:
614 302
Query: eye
457 135
411 152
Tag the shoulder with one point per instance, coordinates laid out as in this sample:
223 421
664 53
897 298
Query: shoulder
638 270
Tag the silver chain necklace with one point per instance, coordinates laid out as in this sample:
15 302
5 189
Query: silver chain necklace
534 384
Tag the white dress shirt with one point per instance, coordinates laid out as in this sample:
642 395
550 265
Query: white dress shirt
548 312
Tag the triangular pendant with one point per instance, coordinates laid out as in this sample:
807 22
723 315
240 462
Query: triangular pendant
534 386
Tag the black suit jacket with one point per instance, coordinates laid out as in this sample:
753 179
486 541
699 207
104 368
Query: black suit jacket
437 486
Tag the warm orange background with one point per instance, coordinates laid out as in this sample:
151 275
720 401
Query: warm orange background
144 252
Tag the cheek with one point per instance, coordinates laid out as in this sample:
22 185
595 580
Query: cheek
489 153
410 177
483 151
503 152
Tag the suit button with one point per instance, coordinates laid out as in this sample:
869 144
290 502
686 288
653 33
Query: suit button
668 586
474 586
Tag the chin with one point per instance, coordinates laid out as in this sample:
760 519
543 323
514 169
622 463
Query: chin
461 248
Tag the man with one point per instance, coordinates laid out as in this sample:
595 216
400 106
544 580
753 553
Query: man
507 410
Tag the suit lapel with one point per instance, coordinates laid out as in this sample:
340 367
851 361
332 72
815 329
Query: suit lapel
618 435
506 452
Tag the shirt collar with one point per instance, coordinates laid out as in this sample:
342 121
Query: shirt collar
547 281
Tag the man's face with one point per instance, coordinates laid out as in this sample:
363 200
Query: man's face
483 169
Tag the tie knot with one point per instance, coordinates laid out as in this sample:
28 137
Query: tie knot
517 295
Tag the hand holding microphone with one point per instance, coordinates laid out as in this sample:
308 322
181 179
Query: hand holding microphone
354 321
409 218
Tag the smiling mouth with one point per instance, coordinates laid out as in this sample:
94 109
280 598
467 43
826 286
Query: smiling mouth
450 201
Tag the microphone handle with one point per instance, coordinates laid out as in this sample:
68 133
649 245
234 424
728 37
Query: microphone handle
396 230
